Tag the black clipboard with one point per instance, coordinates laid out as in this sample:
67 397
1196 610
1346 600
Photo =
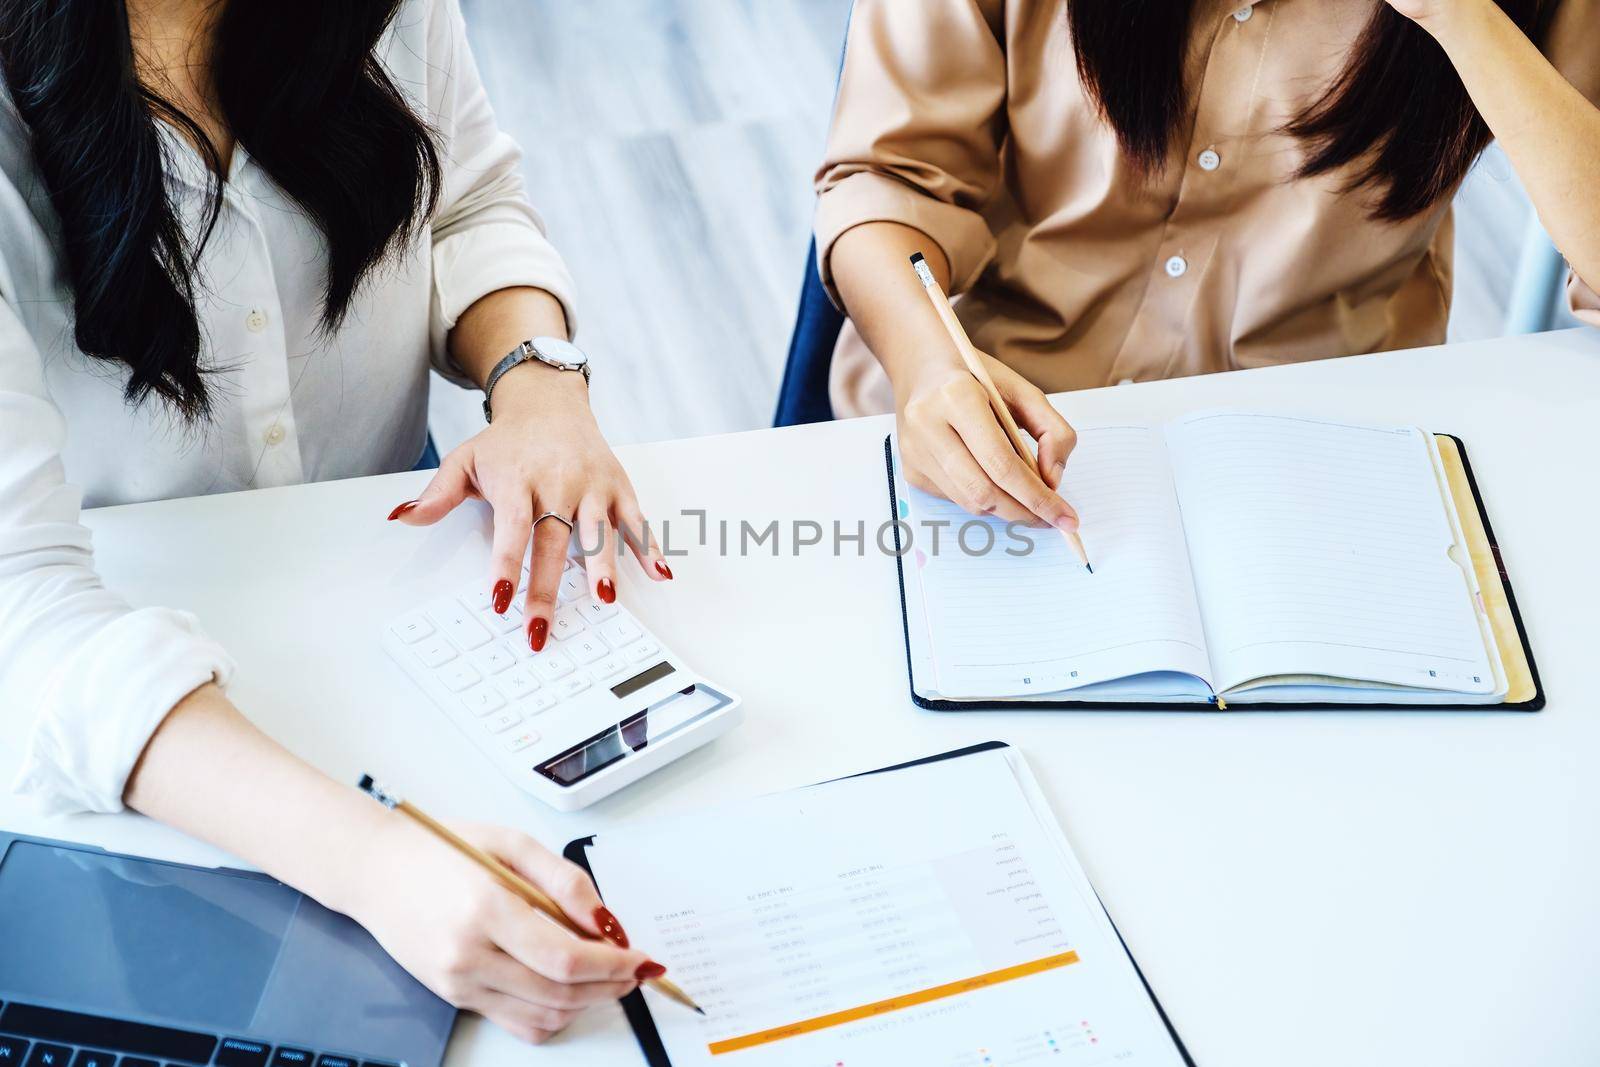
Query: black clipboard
638 1011
1535 703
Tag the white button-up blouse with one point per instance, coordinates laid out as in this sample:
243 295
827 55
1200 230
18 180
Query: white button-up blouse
291 404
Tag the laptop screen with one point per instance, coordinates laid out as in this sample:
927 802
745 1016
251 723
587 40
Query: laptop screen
215 950
132 937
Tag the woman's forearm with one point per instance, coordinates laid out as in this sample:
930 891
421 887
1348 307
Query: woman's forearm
1548 129
211 773
498 322
871 266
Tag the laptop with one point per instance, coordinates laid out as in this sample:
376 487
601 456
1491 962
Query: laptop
108 959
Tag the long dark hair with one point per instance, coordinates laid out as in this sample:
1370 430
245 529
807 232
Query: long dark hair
1398 110
299 87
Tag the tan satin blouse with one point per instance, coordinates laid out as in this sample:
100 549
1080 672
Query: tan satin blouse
966 119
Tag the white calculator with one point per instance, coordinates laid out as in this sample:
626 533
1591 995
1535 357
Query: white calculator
603 705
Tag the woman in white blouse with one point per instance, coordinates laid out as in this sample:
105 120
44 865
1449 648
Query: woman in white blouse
233 238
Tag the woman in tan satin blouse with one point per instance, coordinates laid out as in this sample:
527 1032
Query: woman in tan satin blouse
1277 189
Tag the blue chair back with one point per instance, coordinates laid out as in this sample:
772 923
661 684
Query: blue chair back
803 396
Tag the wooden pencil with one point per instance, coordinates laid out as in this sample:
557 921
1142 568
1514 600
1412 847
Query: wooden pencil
969 356
513 881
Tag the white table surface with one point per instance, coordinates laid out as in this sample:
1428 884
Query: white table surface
1300 888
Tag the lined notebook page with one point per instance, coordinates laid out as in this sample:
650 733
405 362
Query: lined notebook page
1019 625
1323 548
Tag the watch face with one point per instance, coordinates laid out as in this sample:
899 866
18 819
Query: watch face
562 353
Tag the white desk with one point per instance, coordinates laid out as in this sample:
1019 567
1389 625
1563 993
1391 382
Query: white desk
1413 888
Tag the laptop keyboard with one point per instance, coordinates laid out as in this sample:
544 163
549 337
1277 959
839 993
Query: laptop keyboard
45 1037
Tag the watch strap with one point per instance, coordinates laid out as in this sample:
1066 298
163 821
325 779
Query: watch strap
524 352
515 358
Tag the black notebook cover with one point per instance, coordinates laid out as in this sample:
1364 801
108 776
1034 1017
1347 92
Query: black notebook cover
638 1011
1536 703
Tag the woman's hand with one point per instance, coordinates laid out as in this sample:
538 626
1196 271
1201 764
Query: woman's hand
445 919
543 453
952 443
482 948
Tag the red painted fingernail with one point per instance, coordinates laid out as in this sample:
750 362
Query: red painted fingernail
608 593
609 928
538 630
402 509
663 570
502 596
649 969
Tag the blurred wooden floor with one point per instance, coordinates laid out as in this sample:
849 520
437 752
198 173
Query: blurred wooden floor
670 146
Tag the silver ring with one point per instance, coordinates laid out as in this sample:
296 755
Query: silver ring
552 515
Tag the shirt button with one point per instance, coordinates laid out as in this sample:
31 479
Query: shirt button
1177 267
1243 14
1209 160
273 436
256 321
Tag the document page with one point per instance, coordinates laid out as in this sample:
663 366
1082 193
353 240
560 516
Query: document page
1323 548
1024 617
924 916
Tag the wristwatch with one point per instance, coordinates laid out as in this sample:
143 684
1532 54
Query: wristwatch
562 355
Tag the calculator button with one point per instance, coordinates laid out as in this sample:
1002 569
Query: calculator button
568 623
518 683
587 649
521 740
462 628
642 649
435 652
543 700
478 600
620 632
596 611
518 647
458 676
500 723
612 664
571 584
482 700
501 624
551 664
412 628
571 687
492 659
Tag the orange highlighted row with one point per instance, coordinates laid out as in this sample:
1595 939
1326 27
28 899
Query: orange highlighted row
881 1007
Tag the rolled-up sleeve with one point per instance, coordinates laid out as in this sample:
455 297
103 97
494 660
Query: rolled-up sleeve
94 676
916 129
486 235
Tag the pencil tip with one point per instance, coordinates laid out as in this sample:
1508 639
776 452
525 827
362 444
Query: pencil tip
699 1010
366 783
1089 567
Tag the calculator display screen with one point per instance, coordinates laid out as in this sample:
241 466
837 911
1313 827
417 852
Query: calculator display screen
665 717
642 679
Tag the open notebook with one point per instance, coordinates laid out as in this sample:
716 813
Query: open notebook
1239 559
